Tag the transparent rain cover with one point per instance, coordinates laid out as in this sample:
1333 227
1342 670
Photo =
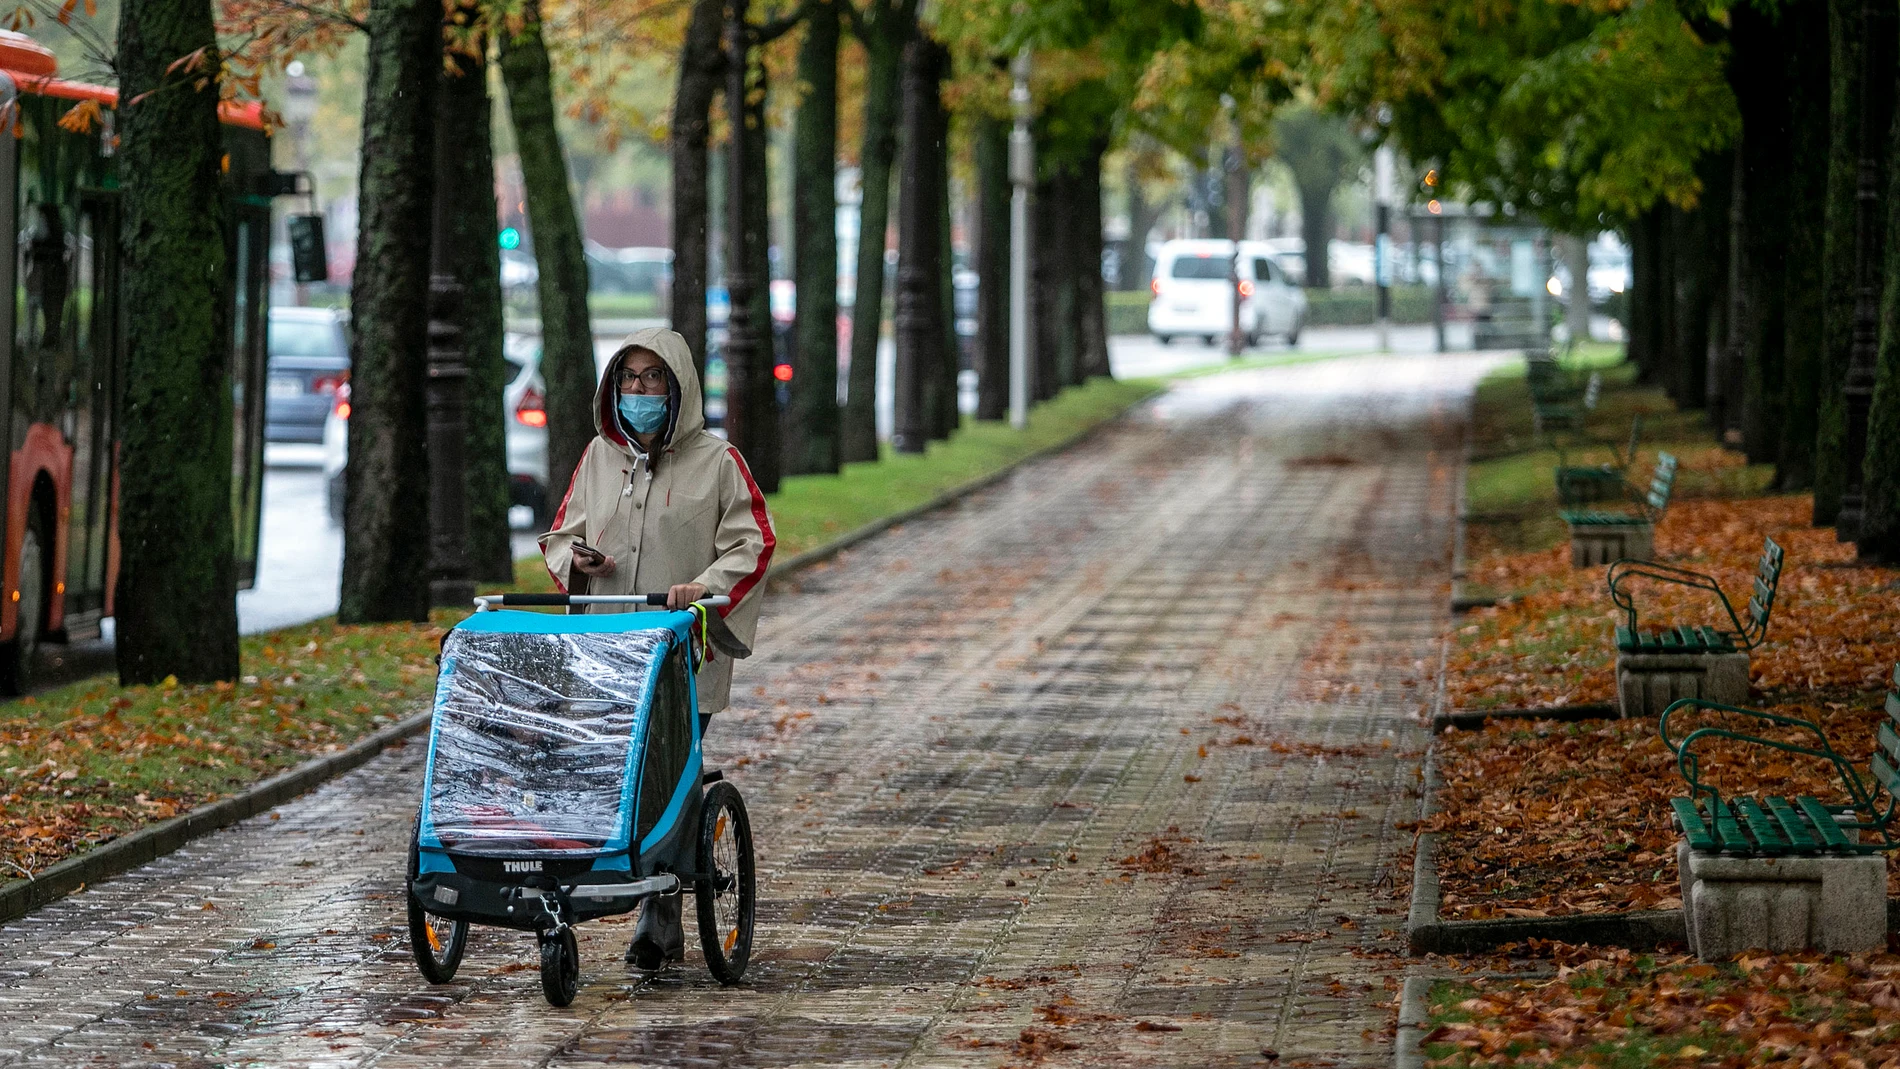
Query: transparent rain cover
532 734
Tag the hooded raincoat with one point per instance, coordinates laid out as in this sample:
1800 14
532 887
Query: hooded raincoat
690 514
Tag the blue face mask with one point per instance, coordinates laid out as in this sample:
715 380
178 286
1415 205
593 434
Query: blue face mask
643 413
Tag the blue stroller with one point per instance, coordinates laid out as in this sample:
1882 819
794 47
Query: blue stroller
564 783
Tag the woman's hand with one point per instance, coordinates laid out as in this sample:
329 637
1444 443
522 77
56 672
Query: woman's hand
599 567
684 594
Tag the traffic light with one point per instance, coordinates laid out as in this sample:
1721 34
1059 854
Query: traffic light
510 238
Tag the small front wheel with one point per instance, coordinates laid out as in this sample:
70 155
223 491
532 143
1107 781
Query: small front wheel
560 967
724 888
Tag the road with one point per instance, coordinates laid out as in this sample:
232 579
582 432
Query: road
1103 765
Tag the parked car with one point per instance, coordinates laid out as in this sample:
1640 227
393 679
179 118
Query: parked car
309 357
1194 296
524 403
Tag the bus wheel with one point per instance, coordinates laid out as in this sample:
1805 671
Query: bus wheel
17 656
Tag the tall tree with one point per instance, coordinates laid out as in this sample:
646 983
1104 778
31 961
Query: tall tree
702 65
1805 34
465 167
385 563
177 588
812 443
1861 105
884 27
1760 73
1318 151
1091 303
1878 532
752 423
992 266
567 337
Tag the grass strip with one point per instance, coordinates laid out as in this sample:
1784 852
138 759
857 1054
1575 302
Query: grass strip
90 761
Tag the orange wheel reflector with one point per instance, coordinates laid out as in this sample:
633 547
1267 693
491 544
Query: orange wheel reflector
435 942
732 938
719 829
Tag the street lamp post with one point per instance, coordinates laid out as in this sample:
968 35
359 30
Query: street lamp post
1382 168
1022 175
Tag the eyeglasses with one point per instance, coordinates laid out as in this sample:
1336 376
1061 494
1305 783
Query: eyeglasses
651 377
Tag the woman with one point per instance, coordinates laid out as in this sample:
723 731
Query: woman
669 506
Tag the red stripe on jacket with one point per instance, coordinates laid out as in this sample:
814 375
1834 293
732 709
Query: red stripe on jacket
560 516
744 586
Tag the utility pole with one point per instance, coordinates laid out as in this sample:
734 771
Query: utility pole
1235 173
451 582
1022 175
1382 168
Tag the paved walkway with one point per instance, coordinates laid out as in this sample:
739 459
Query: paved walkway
1101 767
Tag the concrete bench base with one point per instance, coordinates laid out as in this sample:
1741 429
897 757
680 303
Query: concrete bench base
1833 904
1647 682
1595 544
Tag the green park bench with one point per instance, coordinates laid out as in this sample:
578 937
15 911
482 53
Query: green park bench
1601 535
1556 410
1586 484
1659 666
1785 873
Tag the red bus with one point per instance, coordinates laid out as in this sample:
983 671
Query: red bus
64 331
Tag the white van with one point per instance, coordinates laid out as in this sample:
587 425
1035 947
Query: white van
1194 297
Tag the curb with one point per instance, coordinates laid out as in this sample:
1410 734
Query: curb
20 897
1477 719
1408 1048
820 554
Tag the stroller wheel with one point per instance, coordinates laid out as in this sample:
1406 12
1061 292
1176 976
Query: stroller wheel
724 889
438 943
560 967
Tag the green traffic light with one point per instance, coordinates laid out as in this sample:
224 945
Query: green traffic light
510 238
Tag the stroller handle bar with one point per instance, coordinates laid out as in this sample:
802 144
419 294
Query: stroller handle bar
489 601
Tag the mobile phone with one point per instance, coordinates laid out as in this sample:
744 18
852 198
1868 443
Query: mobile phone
584 548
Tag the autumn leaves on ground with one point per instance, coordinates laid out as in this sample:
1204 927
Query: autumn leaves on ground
1548 817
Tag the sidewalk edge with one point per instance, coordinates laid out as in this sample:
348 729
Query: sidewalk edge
20 897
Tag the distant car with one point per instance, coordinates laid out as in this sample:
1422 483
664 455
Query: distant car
524 402
1194 296
309 358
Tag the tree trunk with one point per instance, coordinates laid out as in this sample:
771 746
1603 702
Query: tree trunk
752 423
812 432
702 64
385 548
1576 255
992 267
1142 216
949 350
1316 228
567 337
1805 24
1857 71
465 168
1878 538
919 258
177 587
889 25
1690 289
1758 71
1091 292
1046 269
1727 381
1640 349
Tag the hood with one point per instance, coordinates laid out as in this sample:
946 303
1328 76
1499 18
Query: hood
689 409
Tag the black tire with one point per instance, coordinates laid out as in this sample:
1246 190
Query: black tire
1210 340
17 657
1165 339
560 967
437 958
438 943
1293 336
725 890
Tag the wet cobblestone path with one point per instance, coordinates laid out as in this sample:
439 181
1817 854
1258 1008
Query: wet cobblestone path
1102 766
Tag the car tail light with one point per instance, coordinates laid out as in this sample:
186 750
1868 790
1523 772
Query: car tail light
341 400
329 384
1155 285
533 410
1246 288
782 372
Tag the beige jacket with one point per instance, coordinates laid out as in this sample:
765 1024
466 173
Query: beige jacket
691 515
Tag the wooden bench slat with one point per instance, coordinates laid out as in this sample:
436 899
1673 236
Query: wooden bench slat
1768 839
1694 828
1823 820
1793 826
